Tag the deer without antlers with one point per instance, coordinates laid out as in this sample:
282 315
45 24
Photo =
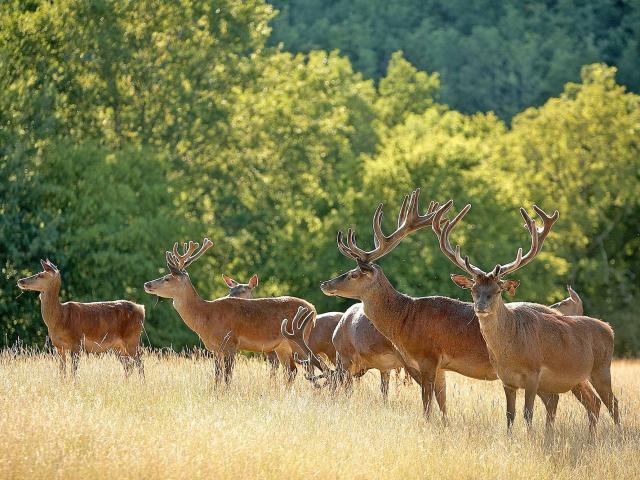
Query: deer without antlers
93 327
531 346
572 305
228 324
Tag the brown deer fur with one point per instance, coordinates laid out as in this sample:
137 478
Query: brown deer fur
572 305
92 327
361 347
531 346
433 334
245 290
229 324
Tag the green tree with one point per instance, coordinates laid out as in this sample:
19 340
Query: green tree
579 153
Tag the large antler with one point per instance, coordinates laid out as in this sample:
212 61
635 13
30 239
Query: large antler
409 220
301 319
179 261
538 236
444 230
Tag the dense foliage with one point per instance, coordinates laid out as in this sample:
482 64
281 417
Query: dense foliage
501 56
126 126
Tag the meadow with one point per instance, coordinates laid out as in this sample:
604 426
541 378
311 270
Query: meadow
175 424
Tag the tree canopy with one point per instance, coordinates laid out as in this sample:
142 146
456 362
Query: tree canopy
127 126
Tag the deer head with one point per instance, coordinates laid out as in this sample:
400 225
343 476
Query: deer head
173 284
241 290
43 281
358 281
571 305
296 335
486 288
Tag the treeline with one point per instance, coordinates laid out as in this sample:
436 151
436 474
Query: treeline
491 56
126 126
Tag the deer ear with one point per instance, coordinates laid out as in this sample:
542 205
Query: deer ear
45 265
365 268
253 281
572 293
509 286
462 281
229 281
55 269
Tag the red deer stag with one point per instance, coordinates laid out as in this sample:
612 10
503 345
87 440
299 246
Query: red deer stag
91 327
433 334
228 324
531 346
572 305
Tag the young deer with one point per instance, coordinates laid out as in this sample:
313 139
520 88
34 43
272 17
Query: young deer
228 324
432 334
571 305
531 346
92 327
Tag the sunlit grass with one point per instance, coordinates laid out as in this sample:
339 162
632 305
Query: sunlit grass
176 425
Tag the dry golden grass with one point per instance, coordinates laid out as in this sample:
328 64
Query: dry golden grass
175 425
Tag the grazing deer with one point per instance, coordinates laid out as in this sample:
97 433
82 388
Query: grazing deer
433 334
360 348
572 305
531 346
228 324
93 327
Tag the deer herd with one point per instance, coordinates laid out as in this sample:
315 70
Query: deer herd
544 350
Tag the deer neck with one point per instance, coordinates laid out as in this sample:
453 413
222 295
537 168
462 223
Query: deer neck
385 307
497 328
190 306
50 305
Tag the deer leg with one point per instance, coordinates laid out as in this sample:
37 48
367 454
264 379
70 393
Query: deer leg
288 365
229 362
530 392
428 387
139 362
272 358
588 398
551 404
384 385
75 358
510 394
125 360
62 354
441 393
601 381
218 363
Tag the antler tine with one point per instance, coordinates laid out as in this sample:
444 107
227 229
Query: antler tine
402 214
206 245
444 230
301 319
437 221
343 247
538 235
